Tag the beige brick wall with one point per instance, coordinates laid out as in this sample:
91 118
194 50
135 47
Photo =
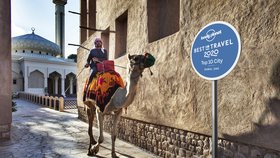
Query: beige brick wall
175 96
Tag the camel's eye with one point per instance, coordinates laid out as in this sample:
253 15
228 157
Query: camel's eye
137 58
133 60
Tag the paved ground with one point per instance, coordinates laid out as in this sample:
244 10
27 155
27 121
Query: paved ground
39 132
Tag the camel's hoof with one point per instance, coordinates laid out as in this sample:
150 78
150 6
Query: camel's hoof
94 149
90 153
114 155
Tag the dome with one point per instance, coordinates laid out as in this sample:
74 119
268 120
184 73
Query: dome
35 43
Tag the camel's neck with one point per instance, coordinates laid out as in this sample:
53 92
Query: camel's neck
131 83
131 87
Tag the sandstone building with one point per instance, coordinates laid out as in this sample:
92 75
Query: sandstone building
5 70
171 113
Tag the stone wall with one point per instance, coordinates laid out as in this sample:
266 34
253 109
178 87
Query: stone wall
176 97
5 131
5 70
172 142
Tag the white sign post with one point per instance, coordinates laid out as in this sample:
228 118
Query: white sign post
214 53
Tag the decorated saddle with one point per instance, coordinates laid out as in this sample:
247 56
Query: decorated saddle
102 87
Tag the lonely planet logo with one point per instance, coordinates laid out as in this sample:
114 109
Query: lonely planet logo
210 35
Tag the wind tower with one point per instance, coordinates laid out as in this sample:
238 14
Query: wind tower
60 25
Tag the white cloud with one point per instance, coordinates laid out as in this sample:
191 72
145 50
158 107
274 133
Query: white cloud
17 30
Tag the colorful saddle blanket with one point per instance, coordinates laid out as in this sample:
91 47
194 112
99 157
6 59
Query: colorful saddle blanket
102 88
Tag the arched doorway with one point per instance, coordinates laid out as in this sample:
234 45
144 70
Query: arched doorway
36 82
54 84
70 85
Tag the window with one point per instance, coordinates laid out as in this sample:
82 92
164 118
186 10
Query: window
87 18
83 20
91 16
105 38
121 35
163 18
14 81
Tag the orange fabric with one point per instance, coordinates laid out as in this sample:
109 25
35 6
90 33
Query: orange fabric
103 87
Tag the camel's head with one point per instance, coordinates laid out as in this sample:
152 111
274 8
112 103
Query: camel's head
137 63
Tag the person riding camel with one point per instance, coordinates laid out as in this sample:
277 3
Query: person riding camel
97 54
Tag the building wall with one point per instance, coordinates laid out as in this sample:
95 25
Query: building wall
28 67
5 70
175 96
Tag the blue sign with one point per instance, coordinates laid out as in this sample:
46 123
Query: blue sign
215 50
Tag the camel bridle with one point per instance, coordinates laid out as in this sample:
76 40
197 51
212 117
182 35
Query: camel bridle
139 63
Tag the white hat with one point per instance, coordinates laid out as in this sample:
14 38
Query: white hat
97 39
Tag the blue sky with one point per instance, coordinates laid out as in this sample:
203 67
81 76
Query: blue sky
40 14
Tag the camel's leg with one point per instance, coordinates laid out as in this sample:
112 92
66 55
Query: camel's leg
116 119
100 117
90 114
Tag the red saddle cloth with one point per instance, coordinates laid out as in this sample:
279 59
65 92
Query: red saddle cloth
102 88
105 66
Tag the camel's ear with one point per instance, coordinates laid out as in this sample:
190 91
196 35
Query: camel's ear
129 56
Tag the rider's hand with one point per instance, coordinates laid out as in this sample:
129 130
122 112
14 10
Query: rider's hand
87 65
95 59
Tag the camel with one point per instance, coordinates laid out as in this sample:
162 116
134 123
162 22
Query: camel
121 99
